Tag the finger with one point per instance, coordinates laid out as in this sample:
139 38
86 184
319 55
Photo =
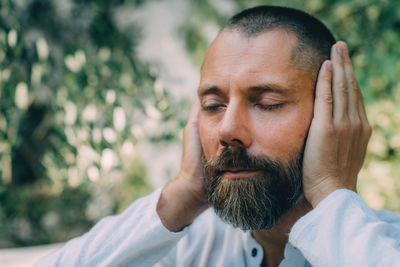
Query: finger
352 87
194 110
323 94
363 116
191 138
339 84
191 129
361 109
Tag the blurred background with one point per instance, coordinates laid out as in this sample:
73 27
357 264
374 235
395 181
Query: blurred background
94 96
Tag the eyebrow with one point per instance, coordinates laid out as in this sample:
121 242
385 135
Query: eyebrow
258 89
210 90
270 88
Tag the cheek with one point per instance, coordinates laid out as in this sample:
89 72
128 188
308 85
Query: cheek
208 132
284 135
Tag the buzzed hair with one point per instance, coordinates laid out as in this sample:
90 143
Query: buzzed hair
314 38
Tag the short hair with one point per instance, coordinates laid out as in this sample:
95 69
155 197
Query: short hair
314 38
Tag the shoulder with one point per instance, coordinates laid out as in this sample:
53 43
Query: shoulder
388 217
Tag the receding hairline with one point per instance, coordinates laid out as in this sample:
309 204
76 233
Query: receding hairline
301 56
314 39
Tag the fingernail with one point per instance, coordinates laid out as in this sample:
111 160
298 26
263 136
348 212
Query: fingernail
339 50
328 65
344 48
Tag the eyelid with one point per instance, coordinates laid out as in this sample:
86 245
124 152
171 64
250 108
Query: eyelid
270 107
210 99
269 100
211 103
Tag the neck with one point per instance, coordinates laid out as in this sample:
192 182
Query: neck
274 239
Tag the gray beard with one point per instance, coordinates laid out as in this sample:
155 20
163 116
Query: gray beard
257 202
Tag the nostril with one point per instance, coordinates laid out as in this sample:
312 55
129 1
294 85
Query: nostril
233 142
223 143
237 141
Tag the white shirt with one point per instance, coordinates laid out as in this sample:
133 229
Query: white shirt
341 231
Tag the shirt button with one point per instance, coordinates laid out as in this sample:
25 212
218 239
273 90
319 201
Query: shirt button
254 252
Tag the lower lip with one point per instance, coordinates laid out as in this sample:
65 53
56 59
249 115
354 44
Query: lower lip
239 175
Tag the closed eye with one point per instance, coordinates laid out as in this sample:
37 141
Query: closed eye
212 107
269 107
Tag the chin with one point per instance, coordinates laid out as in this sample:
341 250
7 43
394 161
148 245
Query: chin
251 203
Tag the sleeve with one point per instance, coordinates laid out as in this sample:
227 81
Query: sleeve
136 237
343 231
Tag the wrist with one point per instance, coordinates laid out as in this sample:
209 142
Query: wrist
319 193
317 198
178 206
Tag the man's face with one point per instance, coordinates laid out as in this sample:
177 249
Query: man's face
254 102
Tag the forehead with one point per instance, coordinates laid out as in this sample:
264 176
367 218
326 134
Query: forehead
234 58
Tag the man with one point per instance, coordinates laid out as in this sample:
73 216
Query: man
278 167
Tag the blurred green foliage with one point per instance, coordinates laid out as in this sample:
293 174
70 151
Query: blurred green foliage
371 29
74 103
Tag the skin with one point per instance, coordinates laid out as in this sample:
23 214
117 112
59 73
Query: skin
229 112
252 96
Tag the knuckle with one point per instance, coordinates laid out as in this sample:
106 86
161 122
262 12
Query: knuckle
357 125
341 86
327 98
327 79
343 126
368 130
326 130
354 85
329 130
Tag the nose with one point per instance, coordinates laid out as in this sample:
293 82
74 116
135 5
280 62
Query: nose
234 127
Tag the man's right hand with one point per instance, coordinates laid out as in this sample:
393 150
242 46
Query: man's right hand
183 199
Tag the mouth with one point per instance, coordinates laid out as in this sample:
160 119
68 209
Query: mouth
239 173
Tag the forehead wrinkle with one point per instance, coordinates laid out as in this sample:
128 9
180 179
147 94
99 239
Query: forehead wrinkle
261 84
251 46
213 69
302 57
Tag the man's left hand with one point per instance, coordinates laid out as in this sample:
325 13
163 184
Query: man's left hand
339 132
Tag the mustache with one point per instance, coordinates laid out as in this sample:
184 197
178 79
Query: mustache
256 202
238 158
